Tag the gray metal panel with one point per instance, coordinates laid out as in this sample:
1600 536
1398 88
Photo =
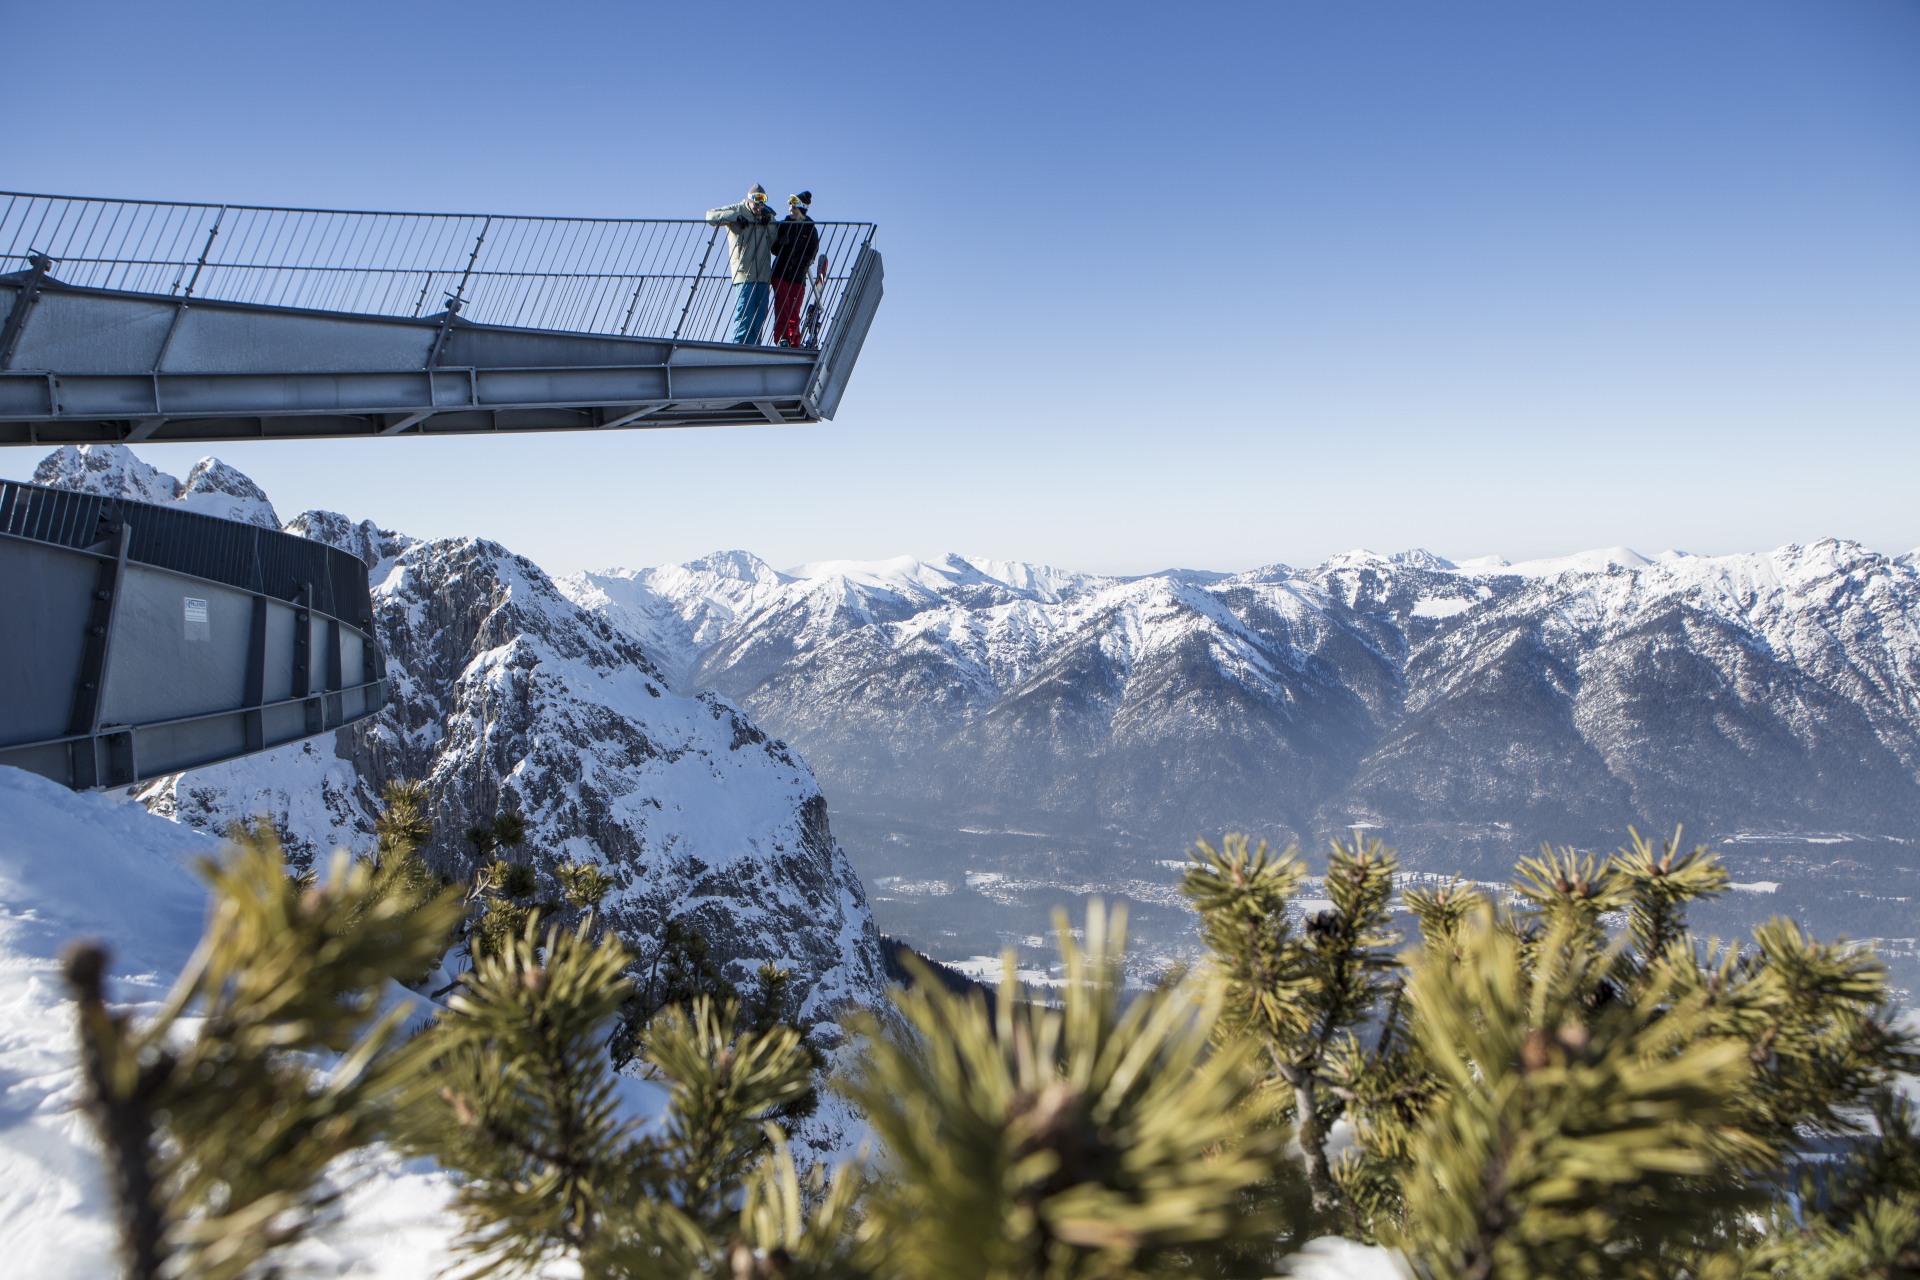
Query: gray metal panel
470 345
169 748
278 683
45 602
774 357
200 663
354 666
84 395
81 333
24 397
284 724
315 653
179 648
569 386
218 338
222 394
836 363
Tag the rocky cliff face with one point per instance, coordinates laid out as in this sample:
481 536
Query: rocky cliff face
508 696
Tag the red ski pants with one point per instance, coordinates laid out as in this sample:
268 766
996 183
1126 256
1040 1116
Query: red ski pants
789 299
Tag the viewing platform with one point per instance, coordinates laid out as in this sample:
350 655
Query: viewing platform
129 321
139 640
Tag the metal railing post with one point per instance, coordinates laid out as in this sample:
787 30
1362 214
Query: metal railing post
41 264
692 288
460 291
206 249
626 321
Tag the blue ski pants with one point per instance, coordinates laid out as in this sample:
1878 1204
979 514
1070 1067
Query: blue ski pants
752 302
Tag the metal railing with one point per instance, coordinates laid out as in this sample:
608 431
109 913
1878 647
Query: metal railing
641 277
249 557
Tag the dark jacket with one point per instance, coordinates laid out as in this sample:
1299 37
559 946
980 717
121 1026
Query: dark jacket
795 247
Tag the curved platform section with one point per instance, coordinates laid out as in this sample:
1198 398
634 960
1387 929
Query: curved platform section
124 321
141 640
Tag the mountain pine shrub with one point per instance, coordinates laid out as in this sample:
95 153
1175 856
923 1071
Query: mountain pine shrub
1555 1080
217 1131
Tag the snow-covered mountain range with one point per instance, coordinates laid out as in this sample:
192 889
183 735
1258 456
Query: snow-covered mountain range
974 720
1562 699
508 696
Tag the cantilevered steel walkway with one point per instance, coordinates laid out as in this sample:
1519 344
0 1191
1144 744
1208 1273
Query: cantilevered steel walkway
124 321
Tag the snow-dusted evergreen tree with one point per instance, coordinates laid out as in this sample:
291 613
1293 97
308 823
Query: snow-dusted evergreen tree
1530 1093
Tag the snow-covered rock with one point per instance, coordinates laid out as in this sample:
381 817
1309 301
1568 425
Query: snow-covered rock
212 488
92 866
110 470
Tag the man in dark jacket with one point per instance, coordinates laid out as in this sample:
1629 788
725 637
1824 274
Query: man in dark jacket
793 251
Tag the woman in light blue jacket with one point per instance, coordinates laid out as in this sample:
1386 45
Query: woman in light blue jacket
750 234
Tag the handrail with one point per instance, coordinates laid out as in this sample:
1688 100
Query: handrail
617 276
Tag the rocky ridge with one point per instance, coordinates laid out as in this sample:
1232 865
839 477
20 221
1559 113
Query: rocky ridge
508 696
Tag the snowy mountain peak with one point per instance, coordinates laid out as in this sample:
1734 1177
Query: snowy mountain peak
739 566
212 488
110 470
1035 581
1358 558
367 540
1420 558
895 573
1600 560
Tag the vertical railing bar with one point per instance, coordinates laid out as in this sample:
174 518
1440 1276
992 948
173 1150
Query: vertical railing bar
173 250
291 233
374 257
146 241
259 238
334 271
640 283
44 213
6 217
252 237
120 247
243 234
351 282
82 243
102 230
323 247
692 288
306 254
416 251
554 252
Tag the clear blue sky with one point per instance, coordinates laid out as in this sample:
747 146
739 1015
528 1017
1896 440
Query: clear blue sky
1202 284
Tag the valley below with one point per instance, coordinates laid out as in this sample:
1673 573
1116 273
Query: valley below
962 896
